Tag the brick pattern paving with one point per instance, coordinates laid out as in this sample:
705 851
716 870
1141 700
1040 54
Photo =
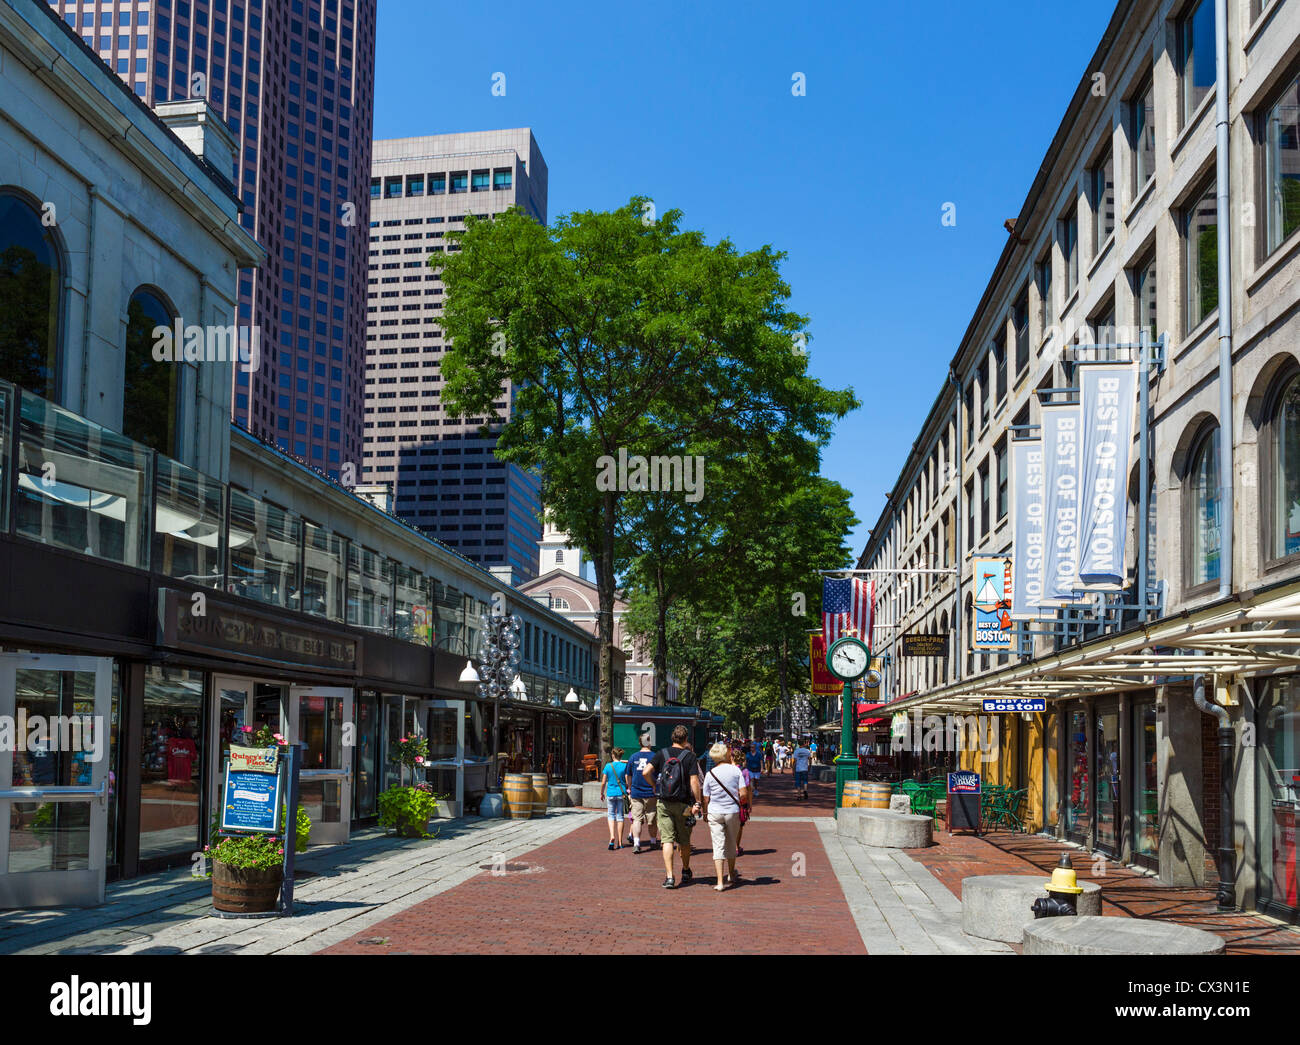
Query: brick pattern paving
1125 892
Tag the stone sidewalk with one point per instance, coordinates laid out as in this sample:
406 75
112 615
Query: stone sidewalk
341 890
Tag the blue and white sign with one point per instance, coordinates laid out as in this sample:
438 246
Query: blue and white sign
251 802
1107 392
964 782
1003 704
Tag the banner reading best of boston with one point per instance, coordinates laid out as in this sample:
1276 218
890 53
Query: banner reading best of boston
1029 535
824 684
1106 395
1061 498
992 627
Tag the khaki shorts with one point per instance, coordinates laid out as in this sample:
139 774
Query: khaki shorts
724 830
671 818
643 811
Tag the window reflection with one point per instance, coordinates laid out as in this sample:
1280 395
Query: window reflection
30 287
188 527
264 551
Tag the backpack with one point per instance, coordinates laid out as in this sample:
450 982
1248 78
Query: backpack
673 784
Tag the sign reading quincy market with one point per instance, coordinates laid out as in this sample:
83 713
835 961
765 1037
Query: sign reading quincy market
1070 509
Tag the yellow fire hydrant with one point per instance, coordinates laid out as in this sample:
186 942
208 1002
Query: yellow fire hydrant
1062 892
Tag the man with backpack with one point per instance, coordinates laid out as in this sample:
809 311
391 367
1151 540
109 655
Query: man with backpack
675 772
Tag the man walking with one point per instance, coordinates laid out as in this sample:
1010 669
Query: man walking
643 798
754 763
675 775
801 756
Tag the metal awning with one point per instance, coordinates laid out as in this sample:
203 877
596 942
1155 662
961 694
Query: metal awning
1242 635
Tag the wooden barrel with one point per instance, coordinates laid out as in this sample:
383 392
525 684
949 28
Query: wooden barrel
240 890
541 794
852 794
517 791
874 796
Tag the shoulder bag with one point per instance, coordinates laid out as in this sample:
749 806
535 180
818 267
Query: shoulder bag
744 813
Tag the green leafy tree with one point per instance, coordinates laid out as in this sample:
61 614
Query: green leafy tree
618 336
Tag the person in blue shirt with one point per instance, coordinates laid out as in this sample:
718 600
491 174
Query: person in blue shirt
754 763
613 791
643 799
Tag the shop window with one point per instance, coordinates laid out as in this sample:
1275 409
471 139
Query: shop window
1283 446
370 589
171 763
1278 777
1201 492
411 605
189 539
265 551
1146 792
31 280
324 571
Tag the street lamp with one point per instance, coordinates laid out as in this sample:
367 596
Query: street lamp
469 674
518 690
571 697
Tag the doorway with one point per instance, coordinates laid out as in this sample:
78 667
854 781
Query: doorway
54 779
444 722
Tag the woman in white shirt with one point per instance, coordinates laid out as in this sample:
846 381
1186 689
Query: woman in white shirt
724 792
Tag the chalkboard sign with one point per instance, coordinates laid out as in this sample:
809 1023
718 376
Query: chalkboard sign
964 801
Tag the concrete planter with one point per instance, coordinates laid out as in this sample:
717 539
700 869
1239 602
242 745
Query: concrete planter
998 906
1114 935
591 795
884 829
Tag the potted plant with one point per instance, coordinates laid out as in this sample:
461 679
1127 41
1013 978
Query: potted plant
409 809
248 870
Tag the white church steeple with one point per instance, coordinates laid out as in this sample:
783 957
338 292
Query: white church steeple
557 554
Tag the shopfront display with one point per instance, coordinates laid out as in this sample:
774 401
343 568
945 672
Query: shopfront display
1146 806
1078 807
1109 797
171 762
1278 777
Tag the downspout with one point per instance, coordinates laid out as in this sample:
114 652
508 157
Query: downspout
1227 898
83 405
1226 506
959 523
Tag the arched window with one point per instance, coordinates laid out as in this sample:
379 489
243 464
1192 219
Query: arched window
1202 491
31 281
559 603
150 388
1284 447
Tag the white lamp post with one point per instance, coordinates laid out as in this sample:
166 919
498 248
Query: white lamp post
469 674
571 697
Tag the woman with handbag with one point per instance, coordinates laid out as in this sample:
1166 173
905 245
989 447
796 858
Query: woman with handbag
725 797
613 791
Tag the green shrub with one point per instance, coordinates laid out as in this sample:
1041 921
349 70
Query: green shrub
408 807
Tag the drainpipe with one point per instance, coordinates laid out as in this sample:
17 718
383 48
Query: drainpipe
959 523
1227 898
1226 506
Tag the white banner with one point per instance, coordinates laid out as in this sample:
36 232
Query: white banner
1107 392
1029 536
1061 494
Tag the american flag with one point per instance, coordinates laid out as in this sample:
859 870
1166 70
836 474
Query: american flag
848 608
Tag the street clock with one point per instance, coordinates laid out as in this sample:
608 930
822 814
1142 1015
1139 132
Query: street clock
848 659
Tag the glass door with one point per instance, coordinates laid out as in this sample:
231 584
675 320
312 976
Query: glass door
54 779
1110 795
1146 793
1078 807
318 716
445 730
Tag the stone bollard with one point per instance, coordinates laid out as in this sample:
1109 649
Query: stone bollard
900 803
591 795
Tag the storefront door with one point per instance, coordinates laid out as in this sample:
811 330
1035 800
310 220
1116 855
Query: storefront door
1078 782
319 717
54 779
445 731
1110 793
1146 794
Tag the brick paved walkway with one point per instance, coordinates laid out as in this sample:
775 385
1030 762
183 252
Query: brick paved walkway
1125 892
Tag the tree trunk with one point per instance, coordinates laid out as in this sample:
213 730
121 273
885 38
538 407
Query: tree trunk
661 641
605 582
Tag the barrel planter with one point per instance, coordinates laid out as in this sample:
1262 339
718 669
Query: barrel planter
541 794
874 796
852 794
517 793
245 890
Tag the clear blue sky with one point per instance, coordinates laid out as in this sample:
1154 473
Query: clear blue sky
908 106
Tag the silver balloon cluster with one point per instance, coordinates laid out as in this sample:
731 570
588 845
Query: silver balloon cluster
498 653
801 715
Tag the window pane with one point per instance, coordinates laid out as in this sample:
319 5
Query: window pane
370 587
188 540
1146 297
1020 319
81 487
1202 248
171 761
29 299
1282 165
323 572
1197 44
1103 201
412 620
1143 139
1070 252
264 551
1286 475
1205 510
149 385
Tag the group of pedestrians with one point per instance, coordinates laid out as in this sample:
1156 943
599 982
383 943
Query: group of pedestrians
666 792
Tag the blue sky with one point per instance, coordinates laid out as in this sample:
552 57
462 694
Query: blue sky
909 106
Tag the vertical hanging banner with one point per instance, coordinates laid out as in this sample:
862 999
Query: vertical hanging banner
1061 501
1106 398
1029 536
992 627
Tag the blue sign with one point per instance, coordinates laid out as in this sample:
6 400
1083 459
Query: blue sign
964 782
251 802
995 704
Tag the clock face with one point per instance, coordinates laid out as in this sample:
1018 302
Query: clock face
848 659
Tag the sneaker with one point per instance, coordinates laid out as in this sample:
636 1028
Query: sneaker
669 884
686 874
611 847
636 850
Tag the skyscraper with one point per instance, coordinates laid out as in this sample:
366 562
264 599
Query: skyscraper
443 474
294 80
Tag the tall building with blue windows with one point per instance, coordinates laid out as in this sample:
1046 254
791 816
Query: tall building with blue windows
440 470
294 82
